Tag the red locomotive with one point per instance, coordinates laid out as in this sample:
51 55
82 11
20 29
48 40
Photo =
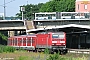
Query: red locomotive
53 41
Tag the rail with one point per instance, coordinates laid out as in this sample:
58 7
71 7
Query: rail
84 51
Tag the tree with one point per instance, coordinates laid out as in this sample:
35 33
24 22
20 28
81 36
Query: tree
30 9
51 6
58 6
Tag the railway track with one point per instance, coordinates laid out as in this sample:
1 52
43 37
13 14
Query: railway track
84 51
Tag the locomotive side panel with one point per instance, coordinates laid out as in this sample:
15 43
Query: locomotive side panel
43 41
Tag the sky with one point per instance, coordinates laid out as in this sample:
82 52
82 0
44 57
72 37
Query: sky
12 6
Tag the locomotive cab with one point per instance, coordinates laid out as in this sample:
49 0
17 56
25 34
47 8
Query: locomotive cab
59 42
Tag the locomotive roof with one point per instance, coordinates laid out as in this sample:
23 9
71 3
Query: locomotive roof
32 35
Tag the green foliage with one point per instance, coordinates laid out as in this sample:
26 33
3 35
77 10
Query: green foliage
51 6
46 51
53 57
6 49
30 9
23 58
58 6
21 49
59 57
3 36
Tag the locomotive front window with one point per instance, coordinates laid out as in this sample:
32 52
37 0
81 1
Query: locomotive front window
57 36
61 36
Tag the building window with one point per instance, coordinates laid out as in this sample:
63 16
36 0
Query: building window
78 6
85 6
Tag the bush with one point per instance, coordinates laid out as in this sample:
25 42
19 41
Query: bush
53 57
46 51
3 36
10 49
6 49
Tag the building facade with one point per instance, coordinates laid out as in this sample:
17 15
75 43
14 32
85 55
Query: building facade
82 6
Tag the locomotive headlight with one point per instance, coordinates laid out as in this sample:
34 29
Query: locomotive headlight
63 44
52 44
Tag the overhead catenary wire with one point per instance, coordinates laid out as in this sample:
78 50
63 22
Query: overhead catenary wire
4 5
7 3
